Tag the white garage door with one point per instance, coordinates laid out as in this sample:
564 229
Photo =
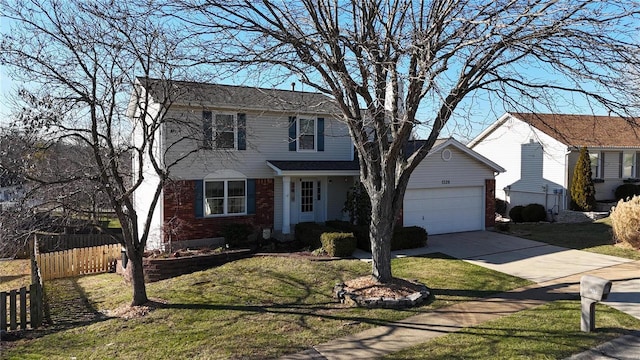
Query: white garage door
446 210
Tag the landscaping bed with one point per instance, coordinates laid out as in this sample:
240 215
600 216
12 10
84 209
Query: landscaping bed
158 268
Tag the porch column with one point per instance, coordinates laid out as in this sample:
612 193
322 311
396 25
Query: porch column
286 204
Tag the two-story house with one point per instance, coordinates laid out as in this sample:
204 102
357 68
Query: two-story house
275 158
539 152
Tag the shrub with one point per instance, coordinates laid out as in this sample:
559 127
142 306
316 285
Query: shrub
309 233
236 234
625 191
338 243
501 207
583 192
534 213
408 238
361 232
625 221
515 214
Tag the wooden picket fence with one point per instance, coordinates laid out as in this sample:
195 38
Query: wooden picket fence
24 307
60 242
80 261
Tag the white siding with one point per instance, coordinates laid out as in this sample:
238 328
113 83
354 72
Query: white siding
143 195
611 165
504 146
267 139
460 170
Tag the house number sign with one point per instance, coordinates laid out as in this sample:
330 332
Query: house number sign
446 182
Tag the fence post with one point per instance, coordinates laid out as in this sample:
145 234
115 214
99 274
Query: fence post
23 308
3 312
13 312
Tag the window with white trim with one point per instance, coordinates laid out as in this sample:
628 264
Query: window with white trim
628 165
594 157
225 129
225 197
306 134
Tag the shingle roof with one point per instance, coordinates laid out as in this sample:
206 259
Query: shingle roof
240 97
316 165
586 130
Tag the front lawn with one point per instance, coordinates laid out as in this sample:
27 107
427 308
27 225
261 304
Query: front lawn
594 237
551 331
255 308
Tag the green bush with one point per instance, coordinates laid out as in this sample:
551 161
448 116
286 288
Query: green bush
625 221
534 213
408 238
236 234
625 191
501 207
515 214
403 237
361 232
338 243
309 233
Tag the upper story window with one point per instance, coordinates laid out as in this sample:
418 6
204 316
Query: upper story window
306 133
595 165
224 131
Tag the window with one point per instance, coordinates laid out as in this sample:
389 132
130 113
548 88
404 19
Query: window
628 165
595 165
307 134
225 197
224 131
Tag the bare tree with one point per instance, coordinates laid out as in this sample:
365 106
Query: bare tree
84 63
426 56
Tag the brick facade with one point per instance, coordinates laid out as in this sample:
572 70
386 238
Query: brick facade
179 212
490 203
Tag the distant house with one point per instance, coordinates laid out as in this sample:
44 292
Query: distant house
539 152
275 158
11 191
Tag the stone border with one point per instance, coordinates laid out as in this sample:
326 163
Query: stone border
353 299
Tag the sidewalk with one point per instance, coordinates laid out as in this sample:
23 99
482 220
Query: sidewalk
556 270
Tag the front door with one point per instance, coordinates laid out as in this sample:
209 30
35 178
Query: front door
307 200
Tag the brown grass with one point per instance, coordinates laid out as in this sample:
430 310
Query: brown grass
14 274
625 220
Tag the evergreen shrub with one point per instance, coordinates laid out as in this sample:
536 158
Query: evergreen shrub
515 214
534 213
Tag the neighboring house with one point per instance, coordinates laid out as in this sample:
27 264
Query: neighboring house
275 158
11 191
539 152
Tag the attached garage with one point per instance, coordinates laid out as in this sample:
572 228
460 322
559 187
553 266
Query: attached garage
445 210
448 191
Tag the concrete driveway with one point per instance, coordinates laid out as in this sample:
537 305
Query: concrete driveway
528 259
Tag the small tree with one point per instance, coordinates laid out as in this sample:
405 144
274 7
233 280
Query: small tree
583 192
358 205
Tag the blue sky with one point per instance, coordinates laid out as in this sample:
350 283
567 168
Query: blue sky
474 114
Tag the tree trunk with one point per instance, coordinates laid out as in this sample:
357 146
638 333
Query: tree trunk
380 234
137 278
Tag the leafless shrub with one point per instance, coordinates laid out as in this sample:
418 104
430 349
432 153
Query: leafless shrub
625 219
